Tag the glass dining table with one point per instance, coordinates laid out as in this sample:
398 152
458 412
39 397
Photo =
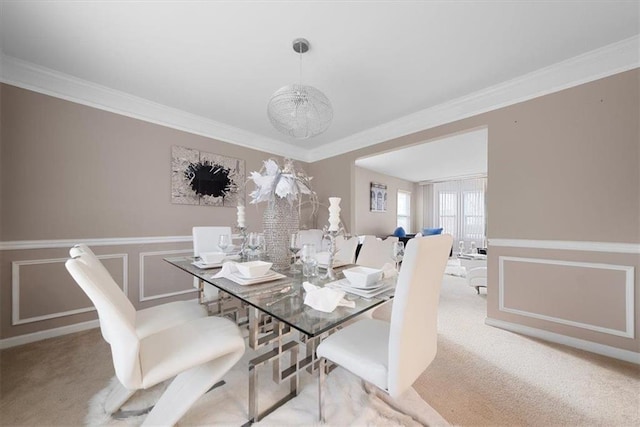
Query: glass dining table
279 323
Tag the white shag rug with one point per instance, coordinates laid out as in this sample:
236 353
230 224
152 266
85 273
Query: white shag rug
348 401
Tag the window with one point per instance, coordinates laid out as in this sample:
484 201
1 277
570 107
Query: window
448 204
404 210
473 210
459 208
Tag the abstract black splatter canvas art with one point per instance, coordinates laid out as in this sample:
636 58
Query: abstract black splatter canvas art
199 178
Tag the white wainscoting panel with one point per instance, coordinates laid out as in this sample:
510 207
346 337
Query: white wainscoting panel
15 287
628 331
141 282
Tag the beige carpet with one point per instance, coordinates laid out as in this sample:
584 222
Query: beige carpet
50 382
481 376
487 376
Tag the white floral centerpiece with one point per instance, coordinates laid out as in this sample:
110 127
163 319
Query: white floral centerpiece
285 183
280 188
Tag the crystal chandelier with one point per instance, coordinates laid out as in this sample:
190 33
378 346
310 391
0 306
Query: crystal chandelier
299 110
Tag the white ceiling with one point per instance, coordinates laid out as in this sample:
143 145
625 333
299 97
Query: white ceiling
211 67
461 155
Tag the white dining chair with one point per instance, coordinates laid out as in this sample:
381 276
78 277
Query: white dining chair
197 352
312 236
375 253
391 355
149 320
346 249
345 252
205 239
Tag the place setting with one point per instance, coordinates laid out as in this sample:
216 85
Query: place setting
249 273
366 282
369 282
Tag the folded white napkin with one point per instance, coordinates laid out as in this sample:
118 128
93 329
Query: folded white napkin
228 268
389 270
325 299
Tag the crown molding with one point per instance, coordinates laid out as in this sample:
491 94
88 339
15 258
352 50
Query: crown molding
596 64
26 75
608 60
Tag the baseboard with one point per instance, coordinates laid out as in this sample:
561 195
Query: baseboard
605 350
49 333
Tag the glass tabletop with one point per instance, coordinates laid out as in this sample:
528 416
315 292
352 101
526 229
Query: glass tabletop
284 298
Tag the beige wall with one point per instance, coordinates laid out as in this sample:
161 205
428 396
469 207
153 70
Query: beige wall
564 167
73 172
334 179
70 171
378 223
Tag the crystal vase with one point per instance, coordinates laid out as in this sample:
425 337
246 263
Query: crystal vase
280 219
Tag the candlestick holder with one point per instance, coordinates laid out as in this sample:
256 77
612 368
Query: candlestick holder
243 245
331 234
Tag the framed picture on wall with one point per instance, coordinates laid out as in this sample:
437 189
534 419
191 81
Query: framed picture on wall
378 197
206 179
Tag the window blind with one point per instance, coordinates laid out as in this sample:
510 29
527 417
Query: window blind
458 207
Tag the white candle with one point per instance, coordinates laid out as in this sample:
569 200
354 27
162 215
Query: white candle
241 216
334 213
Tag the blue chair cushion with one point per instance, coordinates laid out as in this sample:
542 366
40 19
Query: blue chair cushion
431 231
399 232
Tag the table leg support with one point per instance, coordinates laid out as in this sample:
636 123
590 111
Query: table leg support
274 356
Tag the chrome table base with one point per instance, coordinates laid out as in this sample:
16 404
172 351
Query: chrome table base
282 344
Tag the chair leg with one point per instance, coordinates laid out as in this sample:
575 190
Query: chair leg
321 377
478 289
187 388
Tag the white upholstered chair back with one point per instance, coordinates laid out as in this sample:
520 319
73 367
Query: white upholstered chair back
205 239
109 286
376 252
313 236
117 316
414 318
346 249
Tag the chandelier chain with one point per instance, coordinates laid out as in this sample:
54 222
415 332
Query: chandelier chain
300 57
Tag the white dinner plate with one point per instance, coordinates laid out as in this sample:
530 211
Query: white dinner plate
269 277
346 286
203 265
